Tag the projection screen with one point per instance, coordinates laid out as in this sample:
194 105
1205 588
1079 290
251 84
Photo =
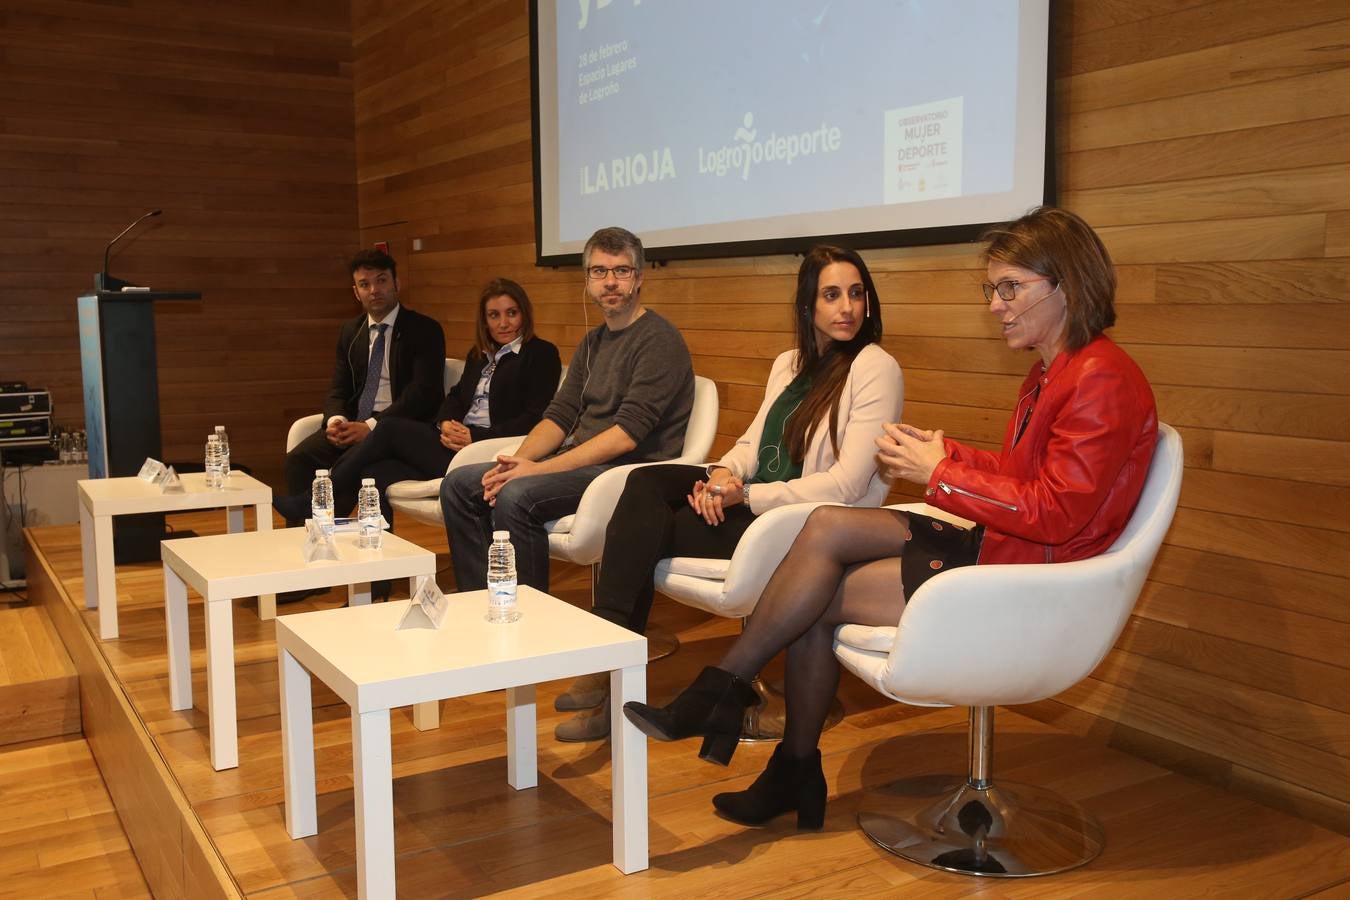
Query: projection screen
729 127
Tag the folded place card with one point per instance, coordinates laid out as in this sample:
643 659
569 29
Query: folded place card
318 543
353 526
428 606
169 482
151 469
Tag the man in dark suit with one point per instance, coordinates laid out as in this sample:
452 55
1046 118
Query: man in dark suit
390 363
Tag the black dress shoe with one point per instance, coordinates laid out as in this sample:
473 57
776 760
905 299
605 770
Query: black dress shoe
294 508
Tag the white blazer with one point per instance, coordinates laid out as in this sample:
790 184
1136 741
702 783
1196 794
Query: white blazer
873 393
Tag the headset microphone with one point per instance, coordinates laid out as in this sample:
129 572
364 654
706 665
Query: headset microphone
1034 305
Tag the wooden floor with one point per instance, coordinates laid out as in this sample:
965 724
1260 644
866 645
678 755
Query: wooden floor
461 831
59 833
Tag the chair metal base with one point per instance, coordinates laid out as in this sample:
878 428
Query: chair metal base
661 642
764 721
1005 830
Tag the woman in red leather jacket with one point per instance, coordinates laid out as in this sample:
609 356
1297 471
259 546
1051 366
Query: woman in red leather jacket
1062 487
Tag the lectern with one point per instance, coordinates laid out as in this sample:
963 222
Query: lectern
121 399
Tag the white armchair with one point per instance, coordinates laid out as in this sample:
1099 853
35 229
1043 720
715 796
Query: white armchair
304 426
580 537
731 587
982 636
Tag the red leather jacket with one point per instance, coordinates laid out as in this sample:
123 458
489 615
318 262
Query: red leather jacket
1069 485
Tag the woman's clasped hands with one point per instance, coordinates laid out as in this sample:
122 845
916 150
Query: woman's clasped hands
910 453
711 498
455 435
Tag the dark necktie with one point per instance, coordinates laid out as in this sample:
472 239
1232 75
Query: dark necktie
366 407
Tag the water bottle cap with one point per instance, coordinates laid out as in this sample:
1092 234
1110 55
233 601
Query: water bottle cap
213 437
220 429
367 482
320 472
501 536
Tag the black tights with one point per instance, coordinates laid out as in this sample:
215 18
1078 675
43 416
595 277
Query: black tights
844 567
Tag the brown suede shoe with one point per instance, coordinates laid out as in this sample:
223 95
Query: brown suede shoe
587 725
587 692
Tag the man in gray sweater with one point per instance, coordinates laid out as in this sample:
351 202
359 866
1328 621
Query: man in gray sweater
627 398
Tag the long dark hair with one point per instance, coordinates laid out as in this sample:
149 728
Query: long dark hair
828 368
483 344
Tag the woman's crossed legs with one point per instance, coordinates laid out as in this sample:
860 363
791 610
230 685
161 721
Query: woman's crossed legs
843 568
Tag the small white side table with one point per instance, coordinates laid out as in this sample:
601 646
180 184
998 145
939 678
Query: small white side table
103 498
224 567
359 655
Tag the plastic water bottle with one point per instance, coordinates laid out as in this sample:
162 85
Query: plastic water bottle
224 455
321 500
501 579
214 481
368 516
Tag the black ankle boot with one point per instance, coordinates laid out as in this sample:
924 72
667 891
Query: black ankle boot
713 706
786 784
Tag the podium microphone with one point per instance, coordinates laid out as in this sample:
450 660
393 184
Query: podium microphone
102 281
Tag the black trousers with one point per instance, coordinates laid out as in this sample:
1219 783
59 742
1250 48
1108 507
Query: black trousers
314 452
651 522
397 450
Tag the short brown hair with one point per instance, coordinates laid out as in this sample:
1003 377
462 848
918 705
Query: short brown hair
483 342
615 240
1059 245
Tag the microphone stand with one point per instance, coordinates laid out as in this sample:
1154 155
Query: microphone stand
105 282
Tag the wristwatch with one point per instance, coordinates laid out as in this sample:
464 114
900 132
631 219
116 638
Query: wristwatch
745 495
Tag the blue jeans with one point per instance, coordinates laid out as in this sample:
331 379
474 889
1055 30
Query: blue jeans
523 506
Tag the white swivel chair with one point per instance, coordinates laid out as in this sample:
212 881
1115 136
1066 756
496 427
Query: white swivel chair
731 587
304 426
983 636
580 537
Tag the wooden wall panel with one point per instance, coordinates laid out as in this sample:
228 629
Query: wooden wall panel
1210 143
236 120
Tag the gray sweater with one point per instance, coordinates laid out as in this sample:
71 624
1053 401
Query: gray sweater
640 379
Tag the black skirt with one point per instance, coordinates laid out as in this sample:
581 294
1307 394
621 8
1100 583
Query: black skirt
934 546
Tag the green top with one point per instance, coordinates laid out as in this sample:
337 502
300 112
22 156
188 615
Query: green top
774 462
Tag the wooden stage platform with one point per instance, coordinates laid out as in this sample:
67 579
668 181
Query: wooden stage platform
462 832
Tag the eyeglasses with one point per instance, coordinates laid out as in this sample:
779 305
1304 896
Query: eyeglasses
621 273
1007 290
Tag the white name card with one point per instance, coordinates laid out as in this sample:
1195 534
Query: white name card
169 482
428 606
151 470
353 526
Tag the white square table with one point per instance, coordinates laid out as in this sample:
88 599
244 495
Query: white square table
373 668
103 498
224 567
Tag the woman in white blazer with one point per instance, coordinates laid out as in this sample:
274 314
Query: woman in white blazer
813 439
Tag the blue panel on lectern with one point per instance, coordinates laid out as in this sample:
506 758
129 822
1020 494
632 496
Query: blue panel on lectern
91 367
